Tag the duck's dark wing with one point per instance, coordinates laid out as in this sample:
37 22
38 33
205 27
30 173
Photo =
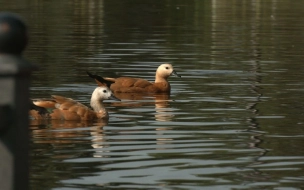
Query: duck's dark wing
99 80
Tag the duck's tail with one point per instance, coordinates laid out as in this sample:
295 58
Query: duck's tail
101 81
38 112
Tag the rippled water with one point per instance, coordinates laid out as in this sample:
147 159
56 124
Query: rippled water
233 121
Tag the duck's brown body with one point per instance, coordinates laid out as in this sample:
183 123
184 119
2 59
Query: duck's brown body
137 85
62 108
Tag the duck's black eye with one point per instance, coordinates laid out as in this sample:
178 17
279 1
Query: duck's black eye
167 67
104 91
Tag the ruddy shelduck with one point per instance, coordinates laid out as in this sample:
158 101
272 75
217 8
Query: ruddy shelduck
62 108
138 85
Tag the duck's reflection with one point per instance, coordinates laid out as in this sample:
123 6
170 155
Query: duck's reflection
163 111
62 131
98 141
61 124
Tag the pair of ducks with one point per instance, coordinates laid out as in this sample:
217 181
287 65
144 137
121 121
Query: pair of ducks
62 108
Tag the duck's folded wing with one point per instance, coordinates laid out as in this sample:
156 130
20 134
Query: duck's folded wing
141 83
131 82
62 108
64 103
72 110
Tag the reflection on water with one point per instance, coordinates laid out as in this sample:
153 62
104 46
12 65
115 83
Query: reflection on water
57 131
233 121
62 124
163 111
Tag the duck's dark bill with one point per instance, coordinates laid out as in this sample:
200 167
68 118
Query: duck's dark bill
112 97
175 74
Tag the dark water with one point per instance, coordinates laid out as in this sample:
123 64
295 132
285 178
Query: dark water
234 120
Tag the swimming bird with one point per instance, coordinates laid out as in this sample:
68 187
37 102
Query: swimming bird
62 108
138 85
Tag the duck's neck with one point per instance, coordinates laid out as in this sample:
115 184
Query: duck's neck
159 78
97 104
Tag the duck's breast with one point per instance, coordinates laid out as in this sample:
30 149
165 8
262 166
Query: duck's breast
160 87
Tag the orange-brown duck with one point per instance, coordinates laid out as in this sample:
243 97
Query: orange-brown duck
138 85
63 108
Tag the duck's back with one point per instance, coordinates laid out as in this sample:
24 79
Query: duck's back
137 85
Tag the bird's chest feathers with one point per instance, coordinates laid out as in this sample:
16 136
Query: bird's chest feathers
162 86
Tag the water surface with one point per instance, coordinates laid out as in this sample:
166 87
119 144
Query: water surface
233 121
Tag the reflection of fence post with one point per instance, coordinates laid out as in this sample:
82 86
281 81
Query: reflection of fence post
14 104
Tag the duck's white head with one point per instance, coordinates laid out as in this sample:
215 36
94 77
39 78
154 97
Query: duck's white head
101 93
165 70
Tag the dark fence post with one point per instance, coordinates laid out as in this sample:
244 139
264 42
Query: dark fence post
15 75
